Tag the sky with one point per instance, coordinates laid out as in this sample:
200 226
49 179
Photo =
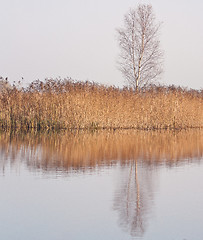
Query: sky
77 38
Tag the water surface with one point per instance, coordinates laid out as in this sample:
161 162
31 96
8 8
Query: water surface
103 185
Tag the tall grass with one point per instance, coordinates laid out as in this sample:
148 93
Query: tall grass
65 104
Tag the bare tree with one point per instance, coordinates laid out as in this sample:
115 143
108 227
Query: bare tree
141 57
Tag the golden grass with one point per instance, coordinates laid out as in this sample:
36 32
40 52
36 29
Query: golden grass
64 104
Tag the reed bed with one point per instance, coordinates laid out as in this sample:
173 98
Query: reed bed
66 104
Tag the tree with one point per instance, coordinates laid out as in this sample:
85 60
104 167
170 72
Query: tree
141 57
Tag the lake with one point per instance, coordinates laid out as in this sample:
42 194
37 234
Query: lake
102 185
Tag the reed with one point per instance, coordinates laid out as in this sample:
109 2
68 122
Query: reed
65 104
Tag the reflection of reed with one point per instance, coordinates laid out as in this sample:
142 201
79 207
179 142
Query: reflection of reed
66 151
136 151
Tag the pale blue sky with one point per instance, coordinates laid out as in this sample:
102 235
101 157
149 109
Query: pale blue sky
75 38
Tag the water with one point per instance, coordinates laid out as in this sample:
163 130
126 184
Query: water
105 185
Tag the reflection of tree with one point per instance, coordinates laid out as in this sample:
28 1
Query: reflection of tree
134 198
69 152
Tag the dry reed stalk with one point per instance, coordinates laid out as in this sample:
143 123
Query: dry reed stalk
65 104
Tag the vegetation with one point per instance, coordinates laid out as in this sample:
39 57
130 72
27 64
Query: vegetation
140 55
65 104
